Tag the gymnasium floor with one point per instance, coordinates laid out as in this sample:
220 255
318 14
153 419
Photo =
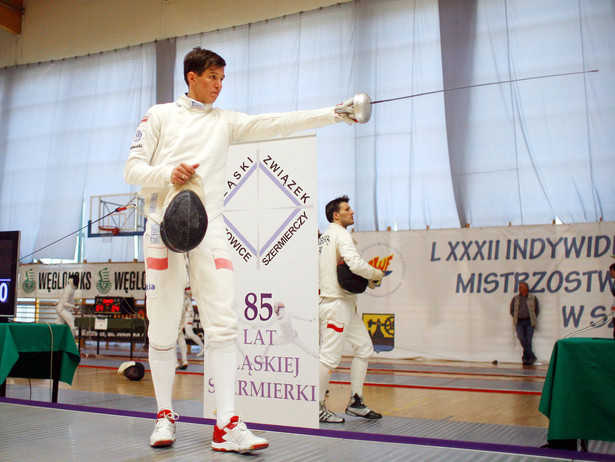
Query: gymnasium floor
433 410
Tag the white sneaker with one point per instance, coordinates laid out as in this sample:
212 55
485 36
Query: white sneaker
164 432
327 416
201 353
236 437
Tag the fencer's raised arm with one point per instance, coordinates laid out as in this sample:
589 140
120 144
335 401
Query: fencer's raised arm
245 127
191 132
194 133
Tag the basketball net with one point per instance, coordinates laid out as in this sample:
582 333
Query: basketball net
108 232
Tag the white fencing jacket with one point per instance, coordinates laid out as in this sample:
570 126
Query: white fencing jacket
191 132
336 245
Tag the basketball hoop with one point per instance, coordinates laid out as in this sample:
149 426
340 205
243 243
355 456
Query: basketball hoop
108 232
116 215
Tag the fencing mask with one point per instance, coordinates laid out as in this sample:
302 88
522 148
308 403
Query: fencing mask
132 370
184 223
350 281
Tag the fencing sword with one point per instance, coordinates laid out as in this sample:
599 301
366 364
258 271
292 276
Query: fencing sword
593 324
362 103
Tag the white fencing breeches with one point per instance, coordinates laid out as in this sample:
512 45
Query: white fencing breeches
339 323
66 317
211 277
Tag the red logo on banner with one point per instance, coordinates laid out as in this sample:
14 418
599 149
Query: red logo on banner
381 264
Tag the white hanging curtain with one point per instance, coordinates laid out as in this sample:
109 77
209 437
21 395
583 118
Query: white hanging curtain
529 151
395 169
522 152
67 128
401 164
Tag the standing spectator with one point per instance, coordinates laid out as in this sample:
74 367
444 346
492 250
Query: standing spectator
524 309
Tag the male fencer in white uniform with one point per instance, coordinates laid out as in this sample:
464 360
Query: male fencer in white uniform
173 143
66 304
339 320
186 330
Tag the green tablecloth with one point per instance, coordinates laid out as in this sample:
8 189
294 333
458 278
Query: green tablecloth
577 396
25 351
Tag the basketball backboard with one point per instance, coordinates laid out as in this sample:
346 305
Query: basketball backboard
127 221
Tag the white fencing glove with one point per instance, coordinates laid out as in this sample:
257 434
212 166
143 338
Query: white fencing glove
378 275
345 111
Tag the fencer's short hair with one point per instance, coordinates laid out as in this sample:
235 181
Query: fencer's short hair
612 267
334 206
199 60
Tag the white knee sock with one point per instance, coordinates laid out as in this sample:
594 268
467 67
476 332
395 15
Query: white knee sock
162 365
358 371
324 375
223 363
183 349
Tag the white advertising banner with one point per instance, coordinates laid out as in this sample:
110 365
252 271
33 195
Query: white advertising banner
447 293
95 279
272 228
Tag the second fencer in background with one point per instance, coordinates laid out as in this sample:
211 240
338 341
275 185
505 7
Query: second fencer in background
65 307
186 330
339 320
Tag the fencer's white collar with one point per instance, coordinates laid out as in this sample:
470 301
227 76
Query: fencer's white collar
192 104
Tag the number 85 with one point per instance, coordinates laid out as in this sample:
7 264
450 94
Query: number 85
252 310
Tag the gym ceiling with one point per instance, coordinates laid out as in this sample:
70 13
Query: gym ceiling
11 13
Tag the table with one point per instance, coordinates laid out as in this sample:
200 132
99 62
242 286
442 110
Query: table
132 325
577 396
38 351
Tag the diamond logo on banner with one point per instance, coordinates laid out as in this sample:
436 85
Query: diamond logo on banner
267 208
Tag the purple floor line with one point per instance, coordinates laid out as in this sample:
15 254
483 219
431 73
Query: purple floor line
375 437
